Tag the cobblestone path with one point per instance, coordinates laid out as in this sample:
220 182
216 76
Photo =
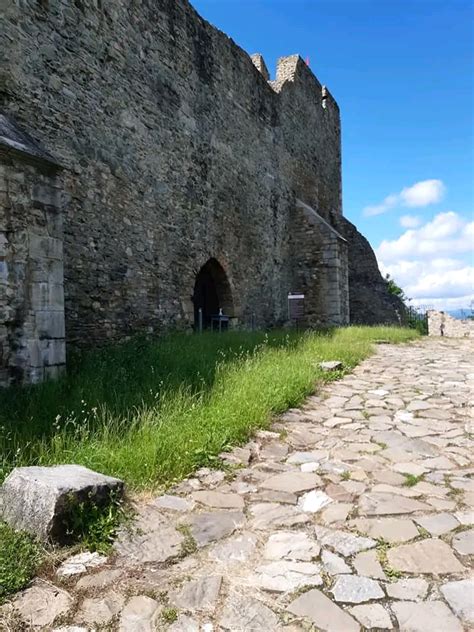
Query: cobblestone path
355 512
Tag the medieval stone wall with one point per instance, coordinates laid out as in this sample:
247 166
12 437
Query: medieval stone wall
32 336
310 124
369 301
177 150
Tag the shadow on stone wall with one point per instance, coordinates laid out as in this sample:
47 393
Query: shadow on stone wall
370 301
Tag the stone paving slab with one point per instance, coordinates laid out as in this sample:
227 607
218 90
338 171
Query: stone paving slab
353 512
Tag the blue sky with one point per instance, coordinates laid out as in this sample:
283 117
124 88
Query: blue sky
402 73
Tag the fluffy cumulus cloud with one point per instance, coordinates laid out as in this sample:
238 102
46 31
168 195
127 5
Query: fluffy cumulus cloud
446 233
418 195
410 221
422 193
433 263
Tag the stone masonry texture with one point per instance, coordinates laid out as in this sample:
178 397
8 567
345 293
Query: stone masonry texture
32 333
176 151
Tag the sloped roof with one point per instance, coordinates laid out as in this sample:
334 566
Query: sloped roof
12 137
315 215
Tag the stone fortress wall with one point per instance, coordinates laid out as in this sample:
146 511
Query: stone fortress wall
176 150
440 323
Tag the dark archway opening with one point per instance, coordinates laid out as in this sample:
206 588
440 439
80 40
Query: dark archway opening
212 292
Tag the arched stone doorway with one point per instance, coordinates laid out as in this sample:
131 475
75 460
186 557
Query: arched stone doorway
212 292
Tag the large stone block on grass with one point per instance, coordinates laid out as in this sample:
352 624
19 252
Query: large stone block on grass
41 500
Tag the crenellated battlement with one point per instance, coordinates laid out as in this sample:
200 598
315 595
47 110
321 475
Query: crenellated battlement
294 70
260 65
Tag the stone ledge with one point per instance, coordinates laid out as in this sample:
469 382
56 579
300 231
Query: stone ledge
39 499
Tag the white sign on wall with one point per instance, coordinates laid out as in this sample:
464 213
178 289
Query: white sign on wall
295 306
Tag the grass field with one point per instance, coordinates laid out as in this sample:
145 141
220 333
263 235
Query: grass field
152 411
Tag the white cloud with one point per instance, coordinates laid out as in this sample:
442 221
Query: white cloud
430 263
419 194
410 221
445 234
460 302
389 202
447 284
423 193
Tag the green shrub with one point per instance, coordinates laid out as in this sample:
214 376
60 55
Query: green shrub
20 556
94 526
395 289
169 615
417 321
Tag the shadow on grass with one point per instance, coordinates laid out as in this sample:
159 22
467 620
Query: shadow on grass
151 411
122 378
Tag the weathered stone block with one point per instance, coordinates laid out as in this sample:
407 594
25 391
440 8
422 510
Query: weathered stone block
42 246
36 375
39 605
50 324
47 296
333 365
40 499
55 353
46 195
47 271
3 272
42 353
3 244
33 348
53 372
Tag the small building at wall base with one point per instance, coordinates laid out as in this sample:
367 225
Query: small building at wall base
185 182
32 331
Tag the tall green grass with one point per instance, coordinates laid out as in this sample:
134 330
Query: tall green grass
152 411
20 556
